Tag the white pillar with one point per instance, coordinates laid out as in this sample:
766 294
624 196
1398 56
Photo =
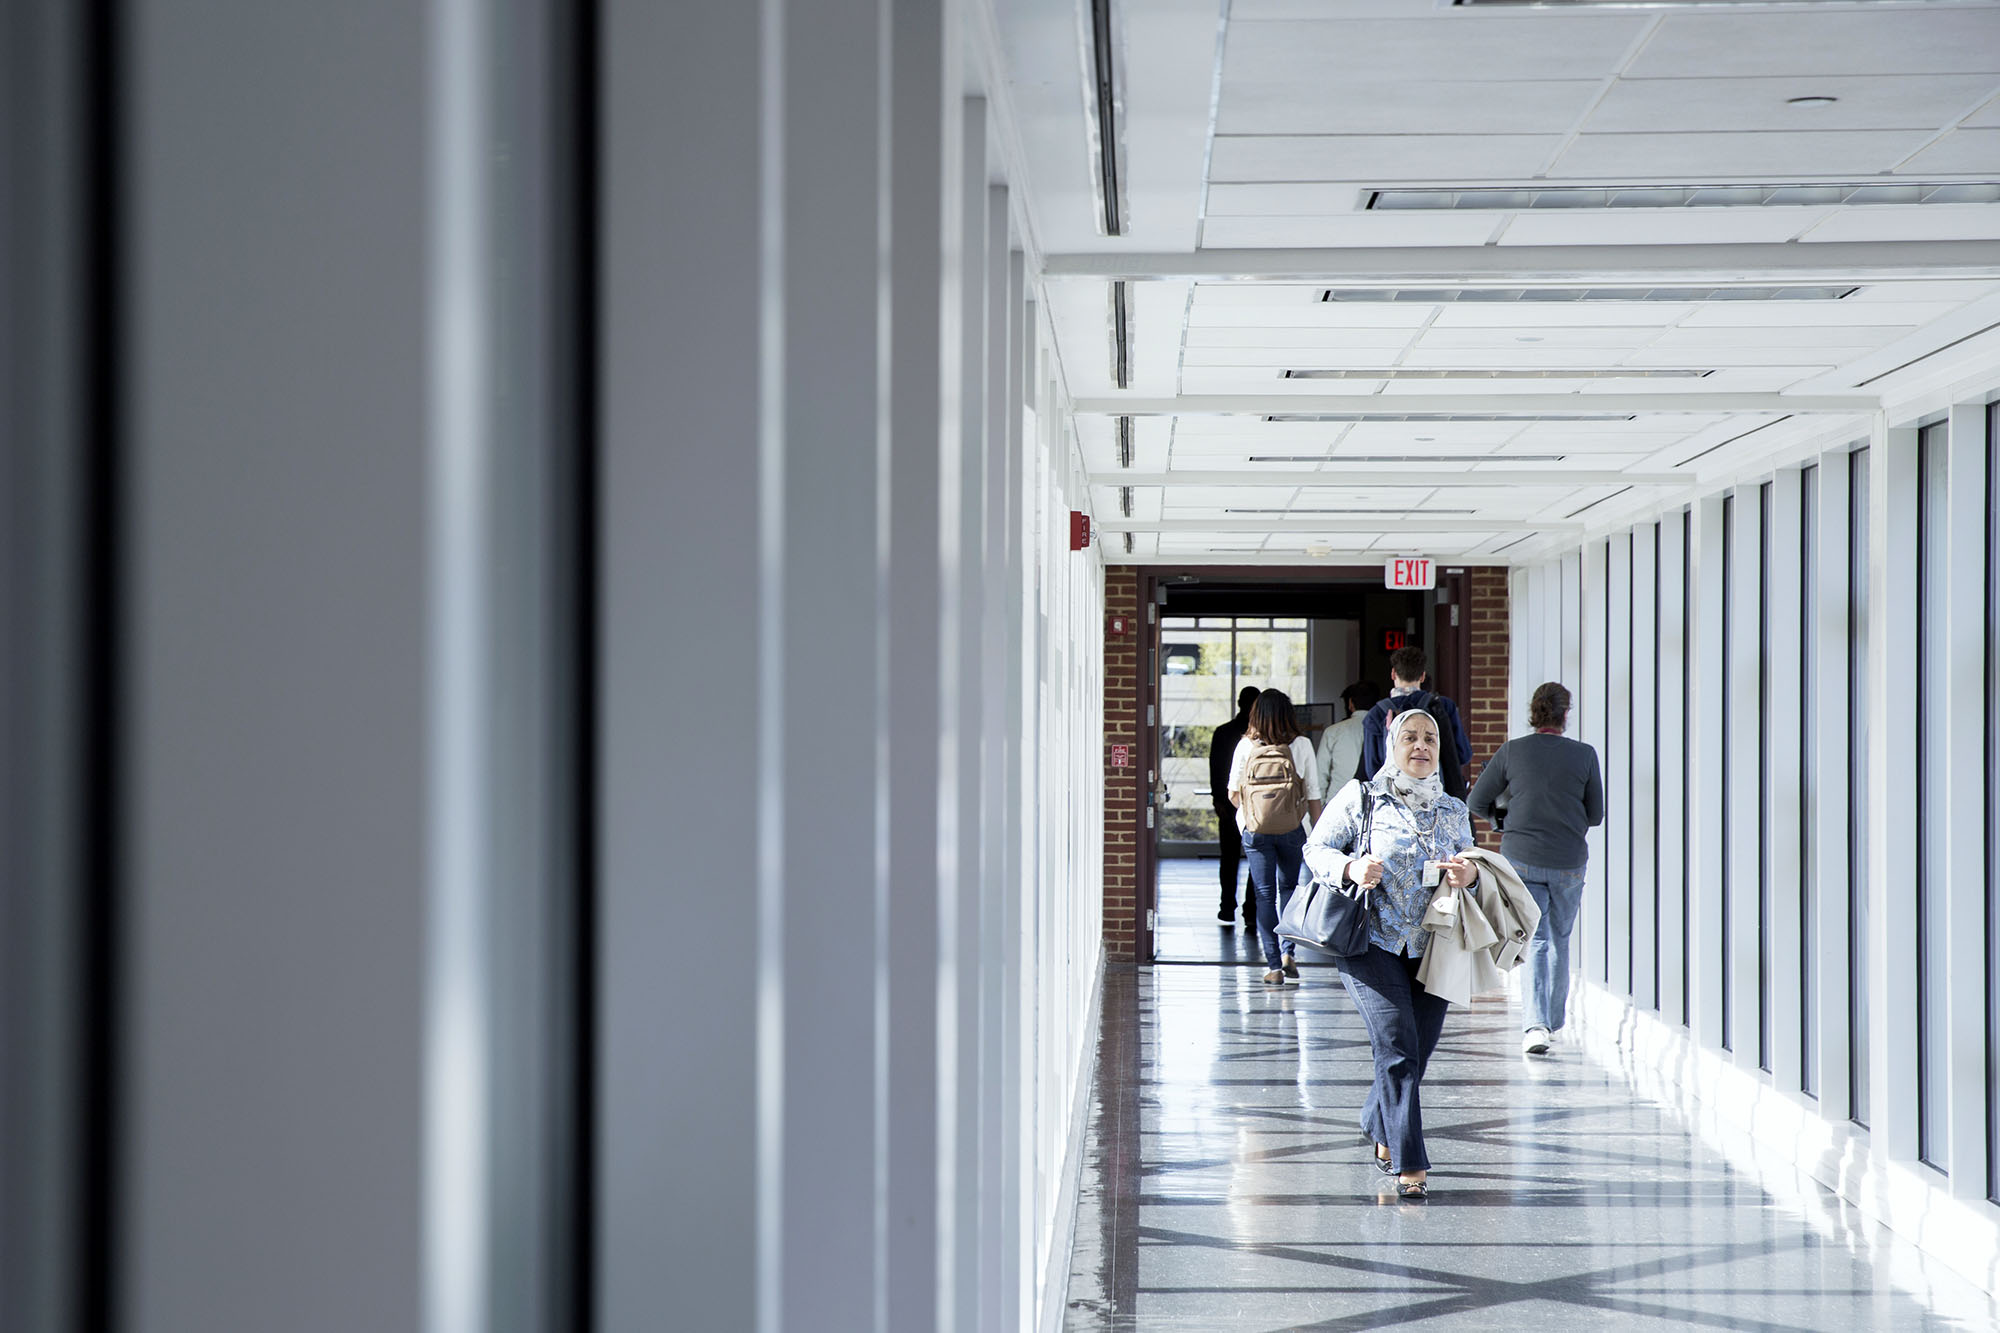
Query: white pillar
1676 846
1828 784
1782 813
1892 785
1642 797
1740 752
1593 706
1959 810
1705 757
1616 756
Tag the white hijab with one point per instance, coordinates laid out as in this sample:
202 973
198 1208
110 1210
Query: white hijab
1391 780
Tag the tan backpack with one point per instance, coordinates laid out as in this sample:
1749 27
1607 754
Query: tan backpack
1274 795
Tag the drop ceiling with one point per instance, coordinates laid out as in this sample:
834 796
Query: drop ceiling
1265 127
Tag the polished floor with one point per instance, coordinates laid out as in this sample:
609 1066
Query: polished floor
1227 1187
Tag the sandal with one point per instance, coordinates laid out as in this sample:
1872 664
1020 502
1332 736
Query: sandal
1413 1189
1382 1162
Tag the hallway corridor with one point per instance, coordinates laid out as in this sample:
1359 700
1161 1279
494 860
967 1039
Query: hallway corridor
1226 1188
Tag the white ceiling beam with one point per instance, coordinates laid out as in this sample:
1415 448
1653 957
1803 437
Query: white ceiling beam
1434 476
1510 404
1537 265
1312 525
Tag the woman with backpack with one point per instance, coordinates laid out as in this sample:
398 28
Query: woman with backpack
1274 785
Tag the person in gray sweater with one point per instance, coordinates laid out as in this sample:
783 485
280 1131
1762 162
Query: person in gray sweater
1544 792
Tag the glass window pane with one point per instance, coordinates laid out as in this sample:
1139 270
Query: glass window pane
1196 696
1214 622
1764 781
1177 622
1253 622
1933 1103
1288 623
1860 1069
1809 895
1728 722
1992 802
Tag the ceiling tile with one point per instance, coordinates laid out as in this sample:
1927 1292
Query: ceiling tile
1665 227
1931 222
1962 152
1447 47
1760 155
1364 229
1320 105
1901 39
1380 157
1928 101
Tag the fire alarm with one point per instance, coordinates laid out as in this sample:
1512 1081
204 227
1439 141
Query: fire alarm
1079 530
1120 625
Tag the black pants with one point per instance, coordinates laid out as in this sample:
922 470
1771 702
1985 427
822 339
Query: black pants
1229 840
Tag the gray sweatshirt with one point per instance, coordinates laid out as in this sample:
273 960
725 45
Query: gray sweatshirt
1549 791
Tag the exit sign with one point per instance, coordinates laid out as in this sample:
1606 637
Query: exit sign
1413 573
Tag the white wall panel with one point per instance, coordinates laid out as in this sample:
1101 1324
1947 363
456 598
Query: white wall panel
1782 815
1642 789
1676 814
1827 803
1615 757
1705 757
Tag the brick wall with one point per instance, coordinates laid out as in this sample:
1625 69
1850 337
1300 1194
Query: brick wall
1486 711
1121 785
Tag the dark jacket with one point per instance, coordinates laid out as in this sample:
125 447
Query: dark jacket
1221 750
1452 760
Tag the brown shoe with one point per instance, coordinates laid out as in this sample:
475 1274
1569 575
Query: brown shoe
1291 967
1274 978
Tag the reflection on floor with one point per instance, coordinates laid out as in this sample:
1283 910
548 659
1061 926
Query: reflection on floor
1184 926
1227 1187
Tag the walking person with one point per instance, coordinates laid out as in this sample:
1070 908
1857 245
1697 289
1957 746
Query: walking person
1340 744
1402 835
1274 786
1228 837
1409 668
1544 792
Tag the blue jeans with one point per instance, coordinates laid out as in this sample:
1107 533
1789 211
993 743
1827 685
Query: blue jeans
1546 993
1404 1021
1275 860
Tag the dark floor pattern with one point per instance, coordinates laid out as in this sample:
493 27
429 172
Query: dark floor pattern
1227 1187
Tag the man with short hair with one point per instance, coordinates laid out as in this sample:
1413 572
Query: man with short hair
1228 837
1408 668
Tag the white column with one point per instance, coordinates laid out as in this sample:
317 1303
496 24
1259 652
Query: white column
1892 785
681 786
1705 760
1959 810
1740 752
1676 859
964 600
1782 814
821 873
1828 784
1616 757
921 425
1642 796
1593 705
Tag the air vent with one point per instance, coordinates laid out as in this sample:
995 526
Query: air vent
1563 295
1343 417
1407 458
1494 200
1409 373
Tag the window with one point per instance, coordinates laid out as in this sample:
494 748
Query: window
1728 721
1859 1066
1992 802
1687 785
1764 820
1808 701
1933 996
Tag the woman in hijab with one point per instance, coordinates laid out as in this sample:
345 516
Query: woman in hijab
1415 834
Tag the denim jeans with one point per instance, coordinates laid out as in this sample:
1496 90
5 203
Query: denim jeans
1545 994
1404 1021
1275 860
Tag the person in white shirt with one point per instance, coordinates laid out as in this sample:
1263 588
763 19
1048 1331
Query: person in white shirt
1274 808
1340 744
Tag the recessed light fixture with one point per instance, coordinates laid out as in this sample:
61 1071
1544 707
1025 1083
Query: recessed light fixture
1775 194
1527 337
1400 509
1814 99
1524 415
1567 295
1407 458
1413 373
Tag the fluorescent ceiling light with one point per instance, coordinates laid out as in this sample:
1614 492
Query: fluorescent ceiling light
1411 373
1774 195
1659 4
1524 415
1398 458
1398 510
1564 295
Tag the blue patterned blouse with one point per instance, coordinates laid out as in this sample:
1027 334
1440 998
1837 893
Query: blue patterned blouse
1404 839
